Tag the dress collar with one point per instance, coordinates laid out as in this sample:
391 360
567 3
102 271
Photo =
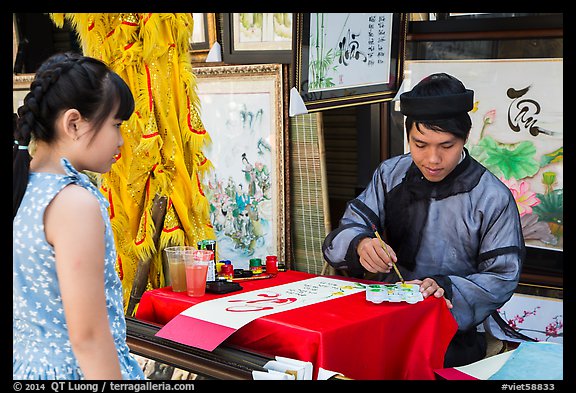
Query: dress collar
81 179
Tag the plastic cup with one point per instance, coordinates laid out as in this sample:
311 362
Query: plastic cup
197 271
177 257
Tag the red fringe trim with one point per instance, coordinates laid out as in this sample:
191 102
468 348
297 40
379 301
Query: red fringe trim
201 132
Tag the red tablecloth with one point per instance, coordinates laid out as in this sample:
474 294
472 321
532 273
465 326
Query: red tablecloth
348 335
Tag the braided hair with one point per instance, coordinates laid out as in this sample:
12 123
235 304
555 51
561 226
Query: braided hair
64 81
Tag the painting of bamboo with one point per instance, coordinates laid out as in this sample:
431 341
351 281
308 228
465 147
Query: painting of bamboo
348 50
344 59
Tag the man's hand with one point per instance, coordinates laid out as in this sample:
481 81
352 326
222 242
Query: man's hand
373 257
428 287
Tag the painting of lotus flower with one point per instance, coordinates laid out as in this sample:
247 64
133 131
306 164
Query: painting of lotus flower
517 133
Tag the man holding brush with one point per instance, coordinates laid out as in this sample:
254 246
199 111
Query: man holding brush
451 226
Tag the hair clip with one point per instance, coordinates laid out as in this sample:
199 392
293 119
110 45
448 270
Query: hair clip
21 147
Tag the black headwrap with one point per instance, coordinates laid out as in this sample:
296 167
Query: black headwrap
436 107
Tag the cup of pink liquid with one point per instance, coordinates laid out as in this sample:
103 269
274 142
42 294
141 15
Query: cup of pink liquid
197 271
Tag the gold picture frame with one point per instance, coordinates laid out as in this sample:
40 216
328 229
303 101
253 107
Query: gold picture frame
20 82
20 87
242 108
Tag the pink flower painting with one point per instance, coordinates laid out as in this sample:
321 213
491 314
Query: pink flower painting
525 199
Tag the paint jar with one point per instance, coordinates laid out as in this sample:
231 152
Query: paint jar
256 265
272 264
227 270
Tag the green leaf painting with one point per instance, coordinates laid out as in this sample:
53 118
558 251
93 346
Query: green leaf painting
507 160
550 207
517 161
554 157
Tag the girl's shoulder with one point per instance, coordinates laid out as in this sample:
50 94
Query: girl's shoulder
73 211
76 197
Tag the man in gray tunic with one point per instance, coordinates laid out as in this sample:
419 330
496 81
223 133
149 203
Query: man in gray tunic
450 225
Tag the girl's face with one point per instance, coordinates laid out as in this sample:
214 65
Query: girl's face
435 153
102 147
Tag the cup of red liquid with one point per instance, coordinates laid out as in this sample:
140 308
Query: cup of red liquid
197 271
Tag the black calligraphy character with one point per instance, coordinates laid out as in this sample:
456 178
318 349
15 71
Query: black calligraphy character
349 49
527 108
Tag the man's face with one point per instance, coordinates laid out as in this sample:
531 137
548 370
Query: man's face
435 153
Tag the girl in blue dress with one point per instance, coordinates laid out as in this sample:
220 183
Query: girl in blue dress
68 312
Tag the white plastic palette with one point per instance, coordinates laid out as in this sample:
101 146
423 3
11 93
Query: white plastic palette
378 293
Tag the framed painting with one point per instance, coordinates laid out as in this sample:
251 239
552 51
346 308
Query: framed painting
344 59
15 41
20 87
517 133
203 36
251 38
242 110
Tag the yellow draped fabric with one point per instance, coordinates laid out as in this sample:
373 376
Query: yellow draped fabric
163 140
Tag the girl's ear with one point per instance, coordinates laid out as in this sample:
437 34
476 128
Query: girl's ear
70 123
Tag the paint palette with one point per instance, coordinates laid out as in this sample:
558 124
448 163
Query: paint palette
378 293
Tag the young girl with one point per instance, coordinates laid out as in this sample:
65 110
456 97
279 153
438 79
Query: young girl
68 313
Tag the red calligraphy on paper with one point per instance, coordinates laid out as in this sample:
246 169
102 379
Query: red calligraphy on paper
269 302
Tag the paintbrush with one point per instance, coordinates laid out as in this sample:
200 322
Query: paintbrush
256 277
387 253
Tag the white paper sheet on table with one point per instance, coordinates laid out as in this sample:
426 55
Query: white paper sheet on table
237 310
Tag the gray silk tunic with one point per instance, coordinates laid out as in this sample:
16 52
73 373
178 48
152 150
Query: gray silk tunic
469 238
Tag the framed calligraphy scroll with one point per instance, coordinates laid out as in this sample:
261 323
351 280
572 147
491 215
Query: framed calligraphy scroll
517 133
242 110
344 59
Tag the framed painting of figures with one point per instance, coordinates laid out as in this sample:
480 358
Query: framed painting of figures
242 110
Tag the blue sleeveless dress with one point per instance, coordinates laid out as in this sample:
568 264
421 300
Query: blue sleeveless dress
41 345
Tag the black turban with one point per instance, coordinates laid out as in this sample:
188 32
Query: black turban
436 107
